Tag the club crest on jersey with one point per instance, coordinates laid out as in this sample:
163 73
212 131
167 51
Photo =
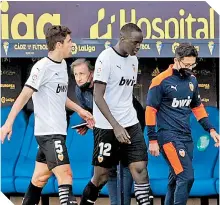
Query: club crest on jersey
60 157
34 77
133 66
182 153
99 70
100 158
191 86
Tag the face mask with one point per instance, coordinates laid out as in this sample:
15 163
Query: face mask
185 72
85 86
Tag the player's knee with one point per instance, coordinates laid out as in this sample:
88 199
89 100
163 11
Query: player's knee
140 174
64 176
40 180
100 179
188 181
103 180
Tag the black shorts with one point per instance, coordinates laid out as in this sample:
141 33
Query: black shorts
52 150
108 150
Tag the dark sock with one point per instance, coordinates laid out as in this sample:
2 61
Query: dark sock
65 195
151 197
32 196
90 194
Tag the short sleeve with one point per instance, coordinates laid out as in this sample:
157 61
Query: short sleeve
102 68
37 77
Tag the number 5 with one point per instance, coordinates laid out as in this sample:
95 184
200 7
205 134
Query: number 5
58 146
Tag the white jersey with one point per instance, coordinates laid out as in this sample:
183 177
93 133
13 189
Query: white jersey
120 75
50 81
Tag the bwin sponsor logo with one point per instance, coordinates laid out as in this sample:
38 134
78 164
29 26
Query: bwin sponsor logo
127 82
61 88
181 103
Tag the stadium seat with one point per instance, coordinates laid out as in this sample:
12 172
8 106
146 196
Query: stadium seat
80 149
216 175
205 155
26 162
10 149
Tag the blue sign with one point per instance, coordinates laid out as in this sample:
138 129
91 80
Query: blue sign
92 48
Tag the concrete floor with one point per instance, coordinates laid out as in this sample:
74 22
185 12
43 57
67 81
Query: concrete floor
105 201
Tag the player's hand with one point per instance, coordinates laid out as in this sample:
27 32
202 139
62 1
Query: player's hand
87 116
6 130
121 134
215 137
82 130
154 148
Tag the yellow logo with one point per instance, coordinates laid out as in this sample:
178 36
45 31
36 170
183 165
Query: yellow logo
100 158
162 26
211 46
60 157
182 153
11 21
145 46
6 46
10 86
155 72
3 100
174 46
197 48
159 46
82 48
74 48
191 86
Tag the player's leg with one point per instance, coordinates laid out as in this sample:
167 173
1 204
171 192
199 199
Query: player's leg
104 158
179 157
169 199
92 189
112 185
128 182
39 179
141 185
54 148
135 155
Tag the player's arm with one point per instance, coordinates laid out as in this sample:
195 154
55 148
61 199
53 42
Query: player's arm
201 115
99 90
84 114
154 97
120 133
35 80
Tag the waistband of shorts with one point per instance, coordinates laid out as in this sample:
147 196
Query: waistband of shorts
52 135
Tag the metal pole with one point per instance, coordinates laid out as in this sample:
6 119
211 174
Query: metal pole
120 185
